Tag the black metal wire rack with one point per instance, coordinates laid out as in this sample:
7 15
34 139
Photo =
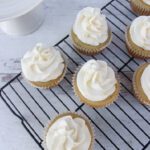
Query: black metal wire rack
123 125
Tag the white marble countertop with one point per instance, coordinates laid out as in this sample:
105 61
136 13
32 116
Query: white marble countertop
59 18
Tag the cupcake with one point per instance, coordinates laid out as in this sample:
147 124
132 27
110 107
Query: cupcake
141 83
69 131
95 84
138 37
90 33
43 67
141 7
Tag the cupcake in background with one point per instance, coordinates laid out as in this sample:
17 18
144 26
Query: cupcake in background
138 37
141 7
95 84
90 33
141 83
43 67
69 131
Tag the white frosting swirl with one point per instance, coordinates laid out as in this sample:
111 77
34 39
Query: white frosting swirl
145 81
68 134
96 80
91 26
42 64
146 2
140 32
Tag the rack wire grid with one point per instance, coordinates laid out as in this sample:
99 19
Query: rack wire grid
123 125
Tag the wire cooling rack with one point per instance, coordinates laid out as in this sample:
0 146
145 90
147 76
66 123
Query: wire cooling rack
123 125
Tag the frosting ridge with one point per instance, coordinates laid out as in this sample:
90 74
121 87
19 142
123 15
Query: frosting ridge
91 26
42 64
145 81
96 80
146 2
68 134
140 32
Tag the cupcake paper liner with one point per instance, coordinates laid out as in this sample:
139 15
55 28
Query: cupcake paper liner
98 104
51 83
74 115
137 87
87 49
133 49
139 7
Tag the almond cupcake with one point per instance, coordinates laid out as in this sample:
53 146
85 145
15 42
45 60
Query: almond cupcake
43 67
90 33
138 37
141 7
95 84
69 131
141 83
